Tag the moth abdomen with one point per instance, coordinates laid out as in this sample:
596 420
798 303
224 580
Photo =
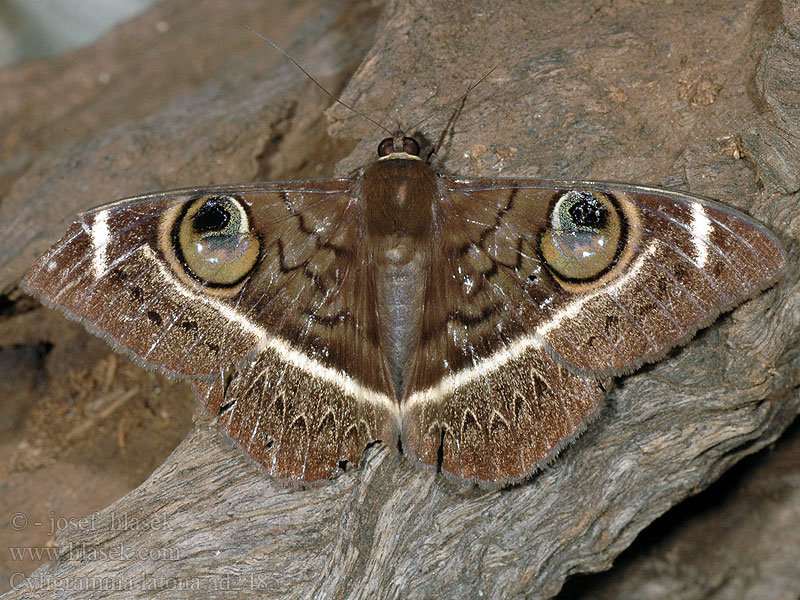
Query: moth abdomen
400 285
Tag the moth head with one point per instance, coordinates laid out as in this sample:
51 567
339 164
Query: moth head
398 146
213 240
584 235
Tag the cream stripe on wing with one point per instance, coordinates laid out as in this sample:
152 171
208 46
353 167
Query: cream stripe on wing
285 351
495 361
701 233
482 368
100 234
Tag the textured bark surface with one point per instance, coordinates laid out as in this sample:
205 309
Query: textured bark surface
646 93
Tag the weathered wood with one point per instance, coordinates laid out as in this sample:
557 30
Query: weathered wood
738 539
651 94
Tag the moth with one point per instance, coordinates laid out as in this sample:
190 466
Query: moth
474 323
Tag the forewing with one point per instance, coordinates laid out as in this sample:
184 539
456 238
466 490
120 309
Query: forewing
255 292
520 337
683 260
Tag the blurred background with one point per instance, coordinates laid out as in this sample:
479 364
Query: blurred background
45 28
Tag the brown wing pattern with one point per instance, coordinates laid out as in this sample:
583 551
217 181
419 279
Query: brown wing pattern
493 301
481 404
293 348
685 261
266 296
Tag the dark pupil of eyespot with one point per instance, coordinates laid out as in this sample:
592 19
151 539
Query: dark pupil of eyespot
212 216
588 212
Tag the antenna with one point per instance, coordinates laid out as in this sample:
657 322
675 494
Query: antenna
461 100
317 83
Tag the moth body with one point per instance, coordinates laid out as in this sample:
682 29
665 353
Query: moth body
400 198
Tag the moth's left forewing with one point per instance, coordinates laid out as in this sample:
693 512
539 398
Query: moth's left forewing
115 271
252 291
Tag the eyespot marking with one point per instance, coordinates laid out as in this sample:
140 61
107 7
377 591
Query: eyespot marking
214 242
585 236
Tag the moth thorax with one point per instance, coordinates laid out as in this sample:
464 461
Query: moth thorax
399 196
